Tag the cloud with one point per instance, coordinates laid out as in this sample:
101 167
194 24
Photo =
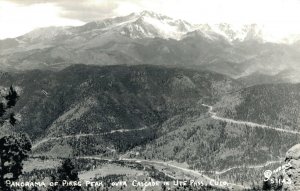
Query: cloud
79 10
16 20
191 10
87 11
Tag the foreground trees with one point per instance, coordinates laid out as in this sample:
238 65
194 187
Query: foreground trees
67 177
13 149
8 101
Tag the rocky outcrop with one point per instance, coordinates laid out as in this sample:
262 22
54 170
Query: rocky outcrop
292 170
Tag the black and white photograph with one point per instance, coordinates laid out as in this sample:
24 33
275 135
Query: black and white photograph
149 95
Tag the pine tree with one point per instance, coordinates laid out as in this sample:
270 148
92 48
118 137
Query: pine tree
266 185
67 172
10 101
2 109
13 149
11 97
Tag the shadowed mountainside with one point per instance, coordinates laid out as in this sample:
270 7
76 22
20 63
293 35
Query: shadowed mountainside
89 99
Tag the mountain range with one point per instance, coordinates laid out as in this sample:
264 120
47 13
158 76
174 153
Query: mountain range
150 38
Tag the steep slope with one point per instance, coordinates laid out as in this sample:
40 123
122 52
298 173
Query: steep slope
258 78
107 102
270 104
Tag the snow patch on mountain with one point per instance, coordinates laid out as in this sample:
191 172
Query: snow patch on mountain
147 24
234 32
150 25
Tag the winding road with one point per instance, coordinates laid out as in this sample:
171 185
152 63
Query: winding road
249 166
251 124
195 173
45 140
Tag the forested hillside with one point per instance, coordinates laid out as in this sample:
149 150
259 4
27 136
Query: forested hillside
118 106
271 104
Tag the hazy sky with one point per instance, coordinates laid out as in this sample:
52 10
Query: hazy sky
17 17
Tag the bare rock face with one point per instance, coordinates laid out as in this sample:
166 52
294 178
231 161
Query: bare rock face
293 153
292 171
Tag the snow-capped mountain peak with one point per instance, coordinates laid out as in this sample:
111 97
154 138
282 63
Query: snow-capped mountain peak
147 24
150 24
152 14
